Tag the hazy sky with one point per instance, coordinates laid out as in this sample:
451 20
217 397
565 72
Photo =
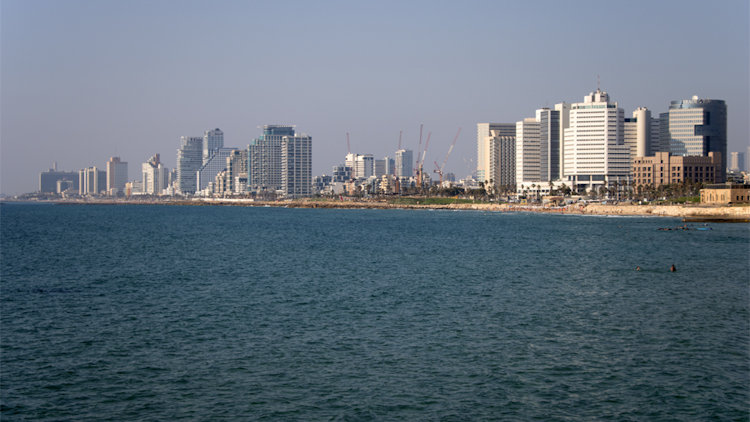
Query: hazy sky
86 80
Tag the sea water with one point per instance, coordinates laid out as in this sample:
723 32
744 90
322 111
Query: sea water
233 313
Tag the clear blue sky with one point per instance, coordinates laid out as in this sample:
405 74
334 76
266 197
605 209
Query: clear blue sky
86 80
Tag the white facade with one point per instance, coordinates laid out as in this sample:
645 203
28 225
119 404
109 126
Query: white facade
528 167
595 151
237 172
630 136
91 181
637 133
404 160
117 175
483 145
502 160
155 177
264 159
296 173
362 165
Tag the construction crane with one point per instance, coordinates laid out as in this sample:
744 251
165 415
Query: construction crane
419 148
439 170
420 162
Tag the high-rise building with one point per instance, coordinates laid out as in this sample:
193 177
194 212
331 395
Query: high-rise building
362 165
697 127
216 162
213 140
378 168
643 120
404 160
390 166
48 179
637 132
502 160
527 151
595 152
296 166
483 145
661 143
564 115
237 171
736 161
280 161
654 138
155 176
91 181
117 176
549 144
264 159
189 161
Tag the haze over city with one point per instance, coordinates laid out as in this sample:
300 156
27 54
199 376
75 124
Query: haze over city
86 80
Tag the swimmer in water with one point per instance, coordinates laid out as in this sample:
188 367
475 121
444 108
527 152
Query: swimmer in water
637 268
673 268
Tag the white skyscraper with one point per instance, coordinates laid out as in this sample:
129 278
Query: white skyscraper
637 133
237 172
91 181
527 151
280 161
296 166
264 159
483 145
502 161
404 160
595 152
155 176
117 175
363 166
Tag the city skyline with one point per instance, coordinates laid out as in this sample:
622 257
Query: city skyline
135 89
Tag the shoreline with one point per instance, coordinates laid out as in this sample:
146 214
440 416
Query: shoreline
692 213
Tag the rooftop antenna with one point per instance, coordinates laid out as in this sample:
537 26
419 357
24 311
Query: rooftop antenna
597 82
400 132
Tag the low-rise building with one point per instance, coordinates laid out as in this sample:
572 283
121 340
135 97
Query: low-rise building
663 168
725 193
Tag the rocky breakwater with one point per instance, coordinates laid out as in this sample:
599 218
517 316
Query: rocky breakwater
688 212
